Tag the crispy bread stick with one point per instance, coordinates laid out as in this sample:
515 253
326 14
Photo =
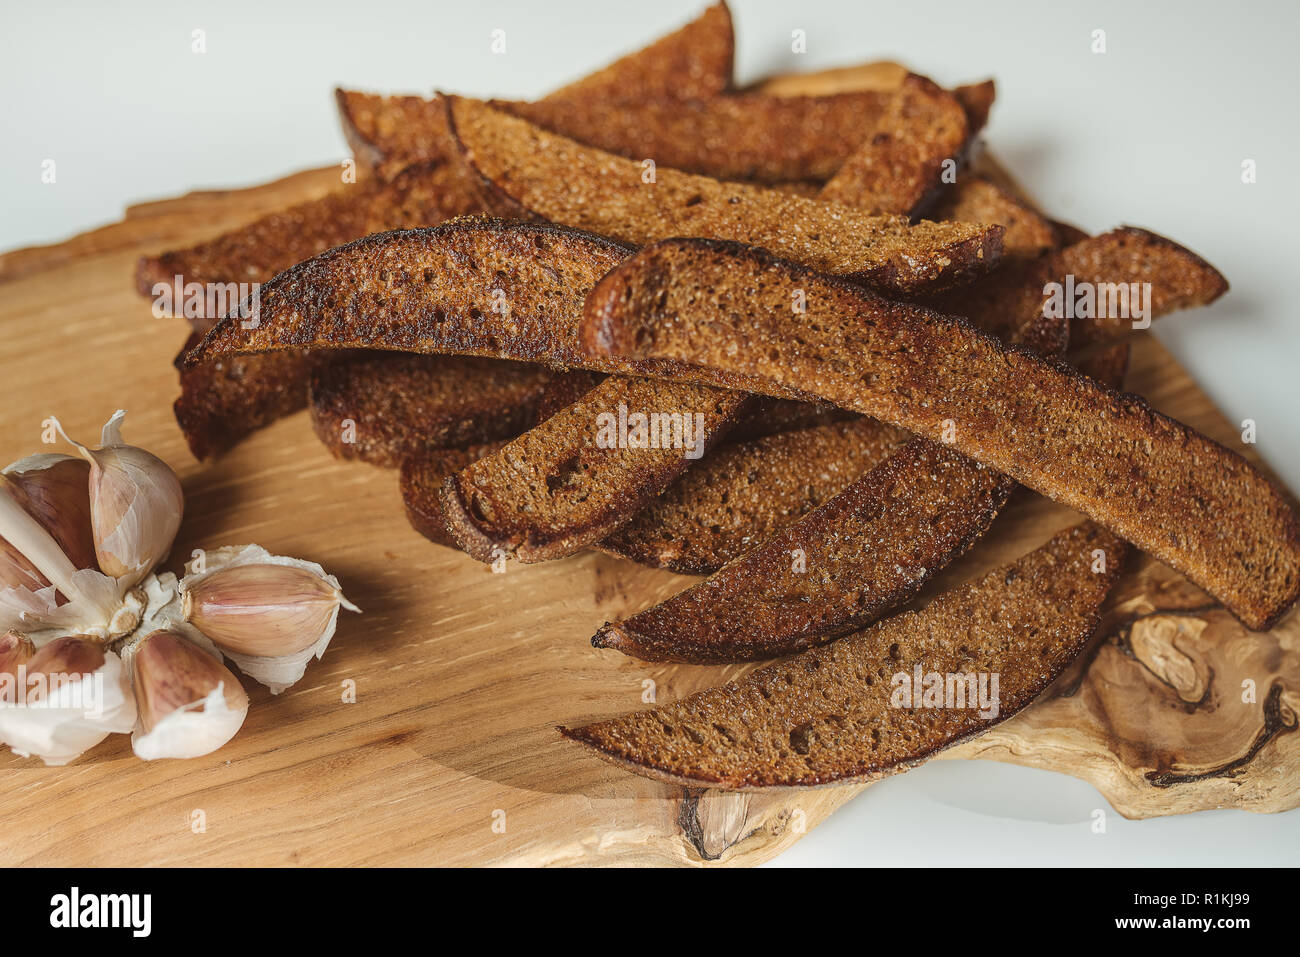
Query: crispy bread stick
746 137
1108 280
574 478
870 548
742 493
470 287
387 133
223 402
1187 500
897 168
975 199
838 713
526 172
381 407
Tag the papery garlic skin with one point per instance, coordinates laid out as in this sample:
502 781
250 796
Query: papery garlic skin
136 504
188 703
227 607
77 694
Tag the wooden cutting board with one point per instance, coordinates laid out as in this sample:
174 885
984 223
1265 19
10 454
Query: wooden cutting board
449 754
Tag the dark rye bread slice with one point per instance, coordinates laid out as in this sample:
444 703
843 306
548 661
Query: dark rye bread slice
424 195
837 713
1187 500
743 492
422 475
898 166
742 137
869 549
572 479
975 199
528 173
381 407
224 401
470 287
227 401
1178 279
386 133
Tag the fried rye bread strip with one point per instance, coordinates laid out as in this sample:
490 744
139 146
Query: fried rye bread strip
743 492
897 166
381 407
1179 279
387 132
747 137
1187 500
223 403
976 199
869 549
829 715
555 490
528 173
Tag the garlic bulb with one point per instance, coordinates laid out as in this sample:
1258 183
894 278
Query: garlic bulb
136 504
188 702
73 694
86 609
268 613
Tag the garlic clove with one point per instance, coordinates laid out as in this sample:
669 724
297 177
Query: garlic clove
76 694
55 490
188 702
136 505
17 572
262 609
16 650
267 613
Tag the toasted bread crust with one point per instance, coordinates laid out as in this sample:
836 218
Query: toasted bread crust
434 291
563 485
897 167
742 137
829 715
839 568
976 199
527 173
1178 277
1187 500
387 133
743 492
423 195
382 407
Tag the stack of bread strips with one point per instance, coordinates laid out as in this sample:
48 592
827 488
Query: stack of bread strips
399 143
403 183
810 319
1195 505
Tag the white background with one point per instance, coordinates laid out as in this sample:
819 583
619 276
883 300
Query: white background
1152 133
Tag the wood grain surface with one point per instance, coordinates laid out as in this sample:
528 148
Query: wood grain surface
449 754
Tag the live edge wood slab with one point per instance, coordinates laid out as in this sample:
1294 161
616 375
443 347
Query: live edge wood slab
449 754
